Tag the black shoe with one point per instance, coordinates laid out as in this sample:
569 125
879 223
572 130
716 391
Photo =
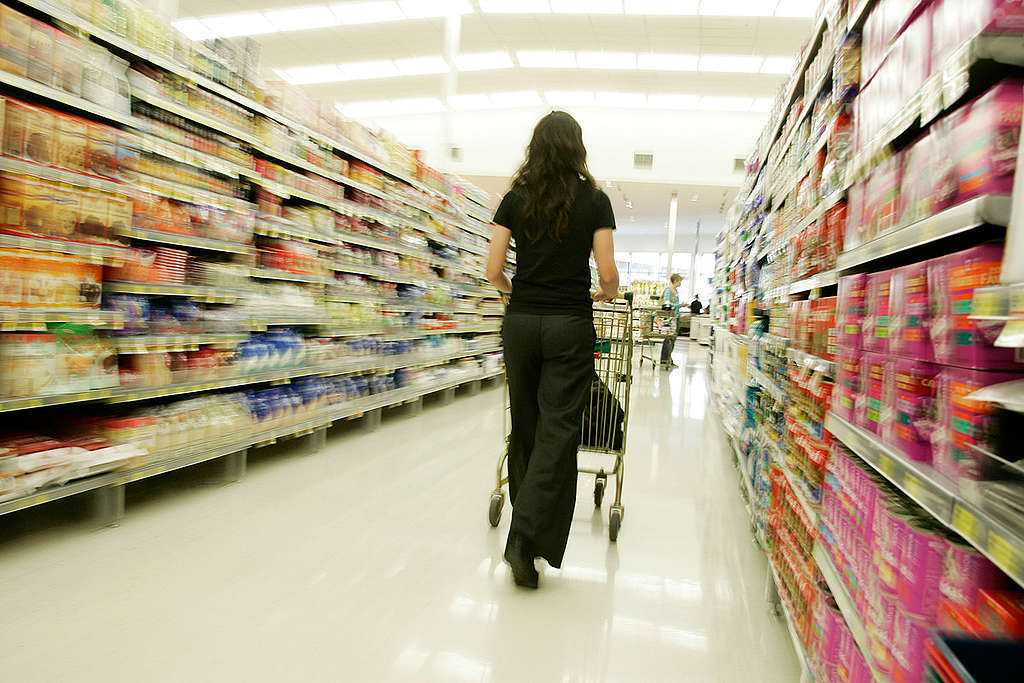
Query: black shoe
520 558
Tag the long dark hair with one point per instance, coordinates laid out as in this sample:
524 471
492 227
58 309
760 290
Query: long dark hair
551 175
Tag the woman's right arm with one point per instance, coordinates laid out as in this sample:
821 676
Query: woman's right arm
607 272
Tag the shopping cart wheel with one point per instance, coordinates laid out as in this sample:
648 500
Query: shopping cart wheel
614 522
599 487
494 511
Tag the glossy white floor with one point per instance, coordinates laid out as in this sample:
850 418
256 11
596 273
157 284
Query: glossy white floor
373 561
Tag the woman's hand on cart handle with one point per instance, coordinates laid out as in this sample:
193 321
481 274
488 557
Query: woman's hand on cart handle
601 296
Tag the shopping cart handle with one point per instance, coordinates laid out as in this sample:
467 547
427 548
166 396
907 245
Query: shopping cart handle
628 296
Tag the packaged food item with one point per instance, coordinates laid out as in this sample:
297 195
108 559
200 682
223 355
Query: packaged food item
15 28
12 278
850 311
910 328
15 119
40 126
916 414
67 63
27 364
67 210
119 215
40 53
1002 613
876 404
72 143
38 208
102 150
967 572
985 136
75 362
877 302
95 215
849 388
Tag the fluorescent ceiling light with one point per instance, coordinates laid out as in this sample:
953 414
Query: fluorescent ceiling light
731 63
673 101
661 7
422 66
778 65
763 104
797 8
567 98
524 98
586 6
429 9
304 75
357 71
193 29
358 109
621 99
302 18
606 60
737 8
726 103
547 59
244 24
484 61
466 102
649 62
351 13
417 105
515 6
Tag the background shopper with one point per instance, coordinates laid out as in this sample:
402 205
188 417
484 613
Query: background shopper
696 306
670 299
558 216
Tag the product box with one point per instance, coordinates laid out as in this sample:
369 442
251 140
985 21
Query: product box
966 573
877 302
876 404
848 379
1002 613
984 138
15 28
72 143
956 338
910 318
914 424
27 365
850 310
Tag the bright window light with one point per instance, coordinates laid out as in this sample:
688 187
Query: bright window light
778 65
302 18
422 66
194 29
568 98
737 8
731 63
649 62
429 9
673 101
357 71
606 60
661 7
515 6
726 103
359 109
351 13
586 6
417 105
547 60
303 75
621 99
524 98
763 104
484 61
469 102
797 8
233 25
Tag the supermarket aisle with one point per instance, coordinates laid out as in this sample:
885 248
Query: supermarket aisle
373 561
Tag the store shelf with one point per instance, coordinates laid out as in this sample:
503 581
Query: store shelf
985 210
815 363
268 228
997 541
104 252
15 404
189 194
191 114
820 281
130 394
57 175
768 385
272 274
59 97
410 360
32 318
208 162
1002 305
205 294
920 482
798 646
172 342
164 237
846 605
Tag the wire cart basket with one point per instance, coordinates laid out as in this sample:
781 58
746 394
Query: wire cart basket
656 326
606 416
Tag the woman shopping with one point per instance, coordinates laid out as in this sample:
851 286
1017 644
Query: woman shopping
670 300
558 217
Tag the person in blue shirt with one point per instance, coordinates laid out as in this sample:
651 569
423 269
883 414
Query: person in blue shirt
670 299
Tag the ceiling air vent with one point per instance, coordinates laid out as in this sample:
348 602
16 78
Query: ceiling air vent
739 164
643 161
455 153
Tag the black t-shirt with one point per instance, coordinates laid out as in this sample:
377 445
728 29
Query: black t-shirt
554 277
695 307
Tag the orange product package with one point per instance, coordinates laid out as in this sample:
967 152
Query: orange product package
15 117
38 208
40 131
95 223
15 28
72 143
102 150
40 53
12 278
12 201
67 210
40 287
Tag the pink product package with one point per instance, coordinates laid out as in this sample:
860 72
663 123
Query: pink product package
850 309
966 571
856 232
964 423
954 21
985 136
910 319
917 195
912 430
921 568
877 301
848 370
874 404
909 636
832 624
956 338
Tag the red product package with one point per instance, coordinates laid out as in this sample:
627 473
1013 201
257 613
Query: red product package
1002 613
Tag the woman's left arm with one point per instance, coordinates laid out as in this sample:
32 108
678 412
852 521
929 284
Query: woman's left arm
498 257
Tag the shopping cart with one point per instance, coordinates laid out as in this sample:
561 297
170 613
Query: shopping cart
656 326
606 417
